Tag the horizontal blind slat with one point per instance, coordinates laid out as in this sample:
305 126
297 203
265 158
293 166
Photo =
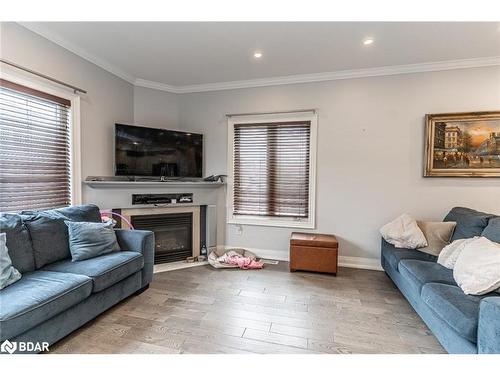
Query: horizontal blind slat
26 113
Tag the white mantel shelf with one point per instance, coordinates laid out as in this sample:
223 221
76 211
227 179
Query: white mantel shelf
156 184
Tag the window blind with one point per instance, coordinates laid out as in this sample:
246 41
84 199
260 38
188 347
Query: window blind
35 168
271 169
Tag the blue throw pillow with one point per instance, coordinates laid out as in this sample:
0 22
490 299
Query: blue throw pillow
89 240
492 231
8 274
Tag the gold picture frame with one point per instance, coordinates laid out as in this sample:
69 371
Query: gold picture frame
462 144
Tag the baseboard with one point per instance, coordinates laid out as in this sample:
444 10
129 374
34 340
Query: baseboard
172 266
358 262
344 261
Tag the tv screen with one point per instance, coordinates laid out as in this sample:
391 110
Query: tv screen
141 151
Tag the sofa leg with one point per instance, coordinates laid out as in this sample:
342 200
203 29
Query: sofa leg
141 290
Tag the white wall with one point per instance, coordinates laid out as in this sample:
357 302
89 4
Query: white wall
155 108
370 149
109 99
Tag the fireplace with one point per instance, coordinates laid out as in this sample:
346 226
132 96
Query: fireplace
173 234
177 229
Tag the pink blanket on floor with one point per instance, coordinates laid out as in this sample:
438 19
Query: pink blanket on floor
244 263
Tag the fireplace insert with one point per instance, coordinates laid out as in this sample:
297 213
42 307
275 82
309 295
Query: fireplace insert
173 235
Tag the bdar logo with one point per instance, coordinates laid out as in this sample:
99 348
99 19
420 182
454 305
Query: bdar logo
9 347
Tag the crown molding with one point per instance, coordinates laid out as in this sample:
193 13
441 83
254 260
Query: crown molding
262 82
40 30
329 76
139 82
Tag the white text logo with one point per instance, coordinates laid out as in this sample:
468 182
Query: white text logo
28 346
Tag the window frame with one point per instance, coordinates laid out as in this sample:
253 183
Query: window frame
290 222
74 129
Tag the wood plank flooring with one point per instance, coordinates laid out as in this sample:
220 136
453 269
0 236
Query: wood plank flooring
203 310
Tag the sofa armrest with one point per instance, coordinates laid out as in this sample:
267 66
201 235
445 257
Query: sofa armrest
488 332
141 241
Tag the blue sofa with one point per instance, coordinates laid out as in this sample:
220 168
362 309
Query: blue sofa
55 296
462 323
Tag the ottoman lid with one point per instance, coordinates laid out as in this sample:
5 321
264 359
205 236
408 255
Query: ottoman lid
313 240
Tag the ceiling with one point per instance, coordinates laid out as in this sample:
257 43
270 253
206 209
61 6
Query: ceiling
180 55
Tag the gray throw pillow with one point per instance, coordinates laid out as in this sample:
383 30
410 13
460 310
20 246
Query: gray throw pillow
8 274
89 240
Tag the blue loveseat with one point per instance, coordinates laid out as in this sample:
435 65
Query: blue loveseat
55 296
462 323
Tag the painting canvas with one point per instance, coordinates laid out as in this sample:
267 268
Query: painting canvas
463 144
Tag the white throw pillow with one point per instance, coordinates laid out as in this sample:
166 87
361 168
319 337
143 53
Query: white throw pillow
450 253
403 232
477 269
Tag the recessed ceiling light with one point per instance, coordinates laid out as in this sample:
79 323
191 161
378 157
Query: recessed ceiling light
257 55
368 41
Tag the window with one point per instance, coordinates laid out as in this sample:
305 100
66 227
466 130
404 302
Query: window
272 169
35 149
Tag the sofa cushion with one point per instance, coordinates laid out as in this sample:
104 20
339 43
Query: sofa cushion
49 236
470 223
393 255
18 242
458 310
421 272
87 212
49 233
38 296
492 230
104 270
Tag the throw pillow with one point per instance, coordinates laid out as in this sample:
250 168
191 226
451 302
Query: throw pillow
8 274
437 234
89 240
450 253
403 232
477 270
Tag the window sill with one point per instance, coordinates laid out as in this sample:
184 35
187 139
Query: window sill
271 222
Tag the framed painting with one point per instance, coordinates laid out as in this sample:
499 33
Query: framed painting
462 145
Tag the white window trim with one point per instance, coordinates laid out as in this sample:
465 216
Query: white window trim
75 133
308 223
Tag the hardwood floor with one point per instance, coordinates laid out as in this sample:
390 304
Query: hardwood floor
203 310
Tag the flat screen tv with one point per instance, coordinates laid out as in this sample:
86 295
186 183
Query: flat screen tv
141 151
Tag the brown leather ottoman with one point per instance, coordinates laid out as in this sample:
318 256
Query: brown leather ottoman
313 252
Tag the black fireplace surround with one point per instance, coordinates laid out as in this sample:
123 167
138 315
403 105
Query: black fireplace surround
173 235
